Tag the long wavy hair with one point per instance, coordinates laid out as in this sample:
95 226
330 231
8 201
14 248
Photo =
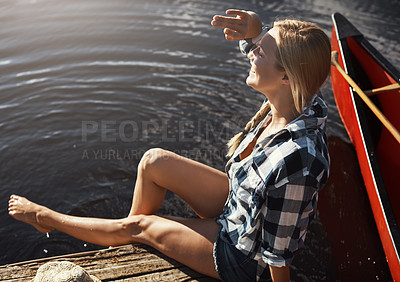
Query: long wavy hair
304 53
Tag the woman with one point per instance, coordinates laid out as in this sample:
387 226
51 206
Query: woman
254 217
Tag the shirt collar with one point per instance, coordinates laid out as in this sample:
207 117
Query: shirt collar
314 116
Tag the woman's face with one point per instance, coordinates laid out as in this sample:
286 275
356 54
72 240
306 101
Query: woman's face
264 75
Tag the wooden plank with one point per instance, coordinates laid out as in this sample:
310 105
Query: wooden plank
106 269
130 270
183 274
129 262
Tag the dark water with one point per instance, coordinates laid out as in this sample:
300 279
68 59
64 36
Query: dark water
86 87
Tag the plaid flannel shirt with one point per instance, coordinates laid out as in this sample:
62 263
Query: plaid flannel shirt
273 192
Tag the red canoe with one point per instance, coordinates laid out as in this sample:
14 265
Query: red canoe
378 151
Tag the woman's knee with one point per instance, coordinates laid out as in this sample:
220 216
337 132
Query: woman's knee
154 158
135 229
130 228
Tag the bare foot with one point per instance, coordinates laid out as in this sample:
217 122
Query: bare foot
26 211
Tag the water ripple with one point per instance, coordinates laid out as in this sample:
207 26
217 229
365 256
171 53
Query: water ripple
5 62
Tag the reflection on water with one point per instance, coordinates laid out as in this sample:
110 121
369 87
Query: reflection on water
88 86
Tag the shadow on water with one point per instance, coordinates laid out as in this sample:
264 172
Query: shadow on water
346 215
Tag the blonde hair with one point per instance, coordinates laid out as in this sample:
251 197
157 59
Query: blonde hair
304 53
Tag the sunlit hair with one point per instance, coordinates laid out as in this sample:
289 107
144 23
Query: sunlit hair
304 53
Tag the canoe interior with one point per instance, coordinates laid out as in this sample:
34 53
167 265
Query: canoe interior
369 74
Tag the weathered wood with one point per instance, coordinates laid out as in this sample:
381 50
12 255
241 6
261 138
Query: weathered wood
185 274
124 263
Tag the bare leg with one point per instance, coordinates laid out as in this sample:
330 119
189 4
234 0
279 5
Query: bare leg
105 232
189 241
203 188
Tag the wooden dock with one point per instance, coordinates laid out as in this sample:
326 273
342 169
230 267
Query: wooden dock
124 263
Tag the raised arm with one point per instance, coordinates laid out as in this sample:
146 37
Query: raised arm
244 24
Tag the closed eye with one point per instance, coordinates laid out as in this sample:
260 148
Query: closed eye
254 47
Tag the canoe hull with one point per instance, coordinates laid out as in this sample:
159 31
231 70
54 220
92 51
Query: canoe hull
377 151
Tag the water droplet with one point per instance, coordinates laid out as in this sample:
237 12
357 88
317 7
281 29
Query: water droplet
47 235
85 245
46 251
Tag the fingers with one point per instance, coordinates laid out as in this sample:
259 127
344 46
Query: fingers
240 13
227 22
223 21
233 35
235 28
239 27
231 31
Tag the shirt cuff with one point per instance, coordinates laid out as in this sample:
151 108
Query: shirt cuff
246 45
277 260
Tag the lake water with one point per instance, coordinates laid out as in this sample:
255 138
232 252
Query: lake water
86 87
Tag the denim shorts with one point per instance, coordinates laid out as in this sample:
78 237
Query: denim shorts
231 264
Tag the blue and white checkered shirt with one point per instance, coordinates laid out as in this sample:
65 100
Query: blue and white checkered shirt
273 192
